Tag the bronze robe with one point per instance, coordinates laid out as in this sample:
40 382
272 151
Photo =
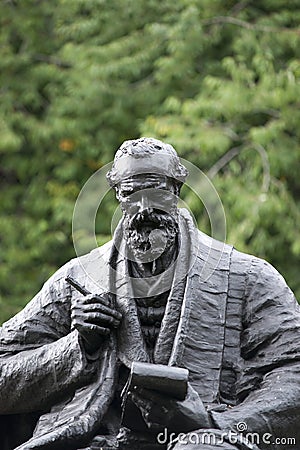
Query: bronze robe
237 330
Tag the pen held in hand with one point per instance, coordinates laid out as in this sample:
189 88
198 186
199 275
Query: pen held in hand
84 291
77 286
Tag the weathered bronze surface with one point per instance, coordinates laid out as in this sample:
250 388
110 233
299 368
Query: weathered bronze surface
145 298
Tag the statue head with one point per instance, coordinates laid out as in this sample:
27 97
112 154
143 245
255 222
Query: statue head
147 175
146 156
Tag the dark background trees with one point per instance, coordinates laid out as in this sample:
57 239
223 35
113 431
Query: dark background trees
217 79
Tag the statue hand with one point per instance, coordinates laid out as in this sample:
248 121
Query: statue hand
93 318
161 411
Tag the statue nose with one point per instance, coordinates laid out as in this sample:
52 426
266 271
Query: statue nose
144 203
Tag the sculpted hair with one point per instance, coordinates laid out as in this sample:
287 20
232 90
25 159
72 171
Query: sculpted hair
147 148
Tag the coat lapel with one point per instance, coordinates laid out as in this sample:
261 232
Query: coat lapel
171 320
199 342
130 340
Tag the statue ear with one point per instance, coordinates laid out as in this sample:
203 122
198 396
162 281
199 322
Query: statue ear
177 188
116 189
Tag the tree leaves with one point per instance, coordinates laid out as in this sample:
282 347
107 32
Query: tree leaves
219 80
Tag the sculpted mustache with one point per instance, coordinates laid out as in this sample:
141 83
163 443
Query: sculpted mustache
150 216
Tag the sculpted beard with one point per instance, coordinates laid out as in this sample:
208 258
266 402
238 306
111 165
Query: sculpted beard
150 230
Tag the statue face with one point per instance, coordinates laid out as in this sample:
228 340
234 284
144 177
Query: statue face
149 205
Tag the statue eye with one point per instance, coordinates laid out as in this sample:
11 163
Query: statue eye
126 192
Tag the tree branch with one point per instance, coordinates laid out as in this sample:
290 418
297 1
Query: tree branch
49 59
266 166
223 161
232 153
250 26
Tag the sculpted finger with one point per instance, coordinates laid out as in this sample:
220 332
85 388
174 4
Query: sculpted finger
94 298
100 319
99 330
85 329
94 317
98 307
77 302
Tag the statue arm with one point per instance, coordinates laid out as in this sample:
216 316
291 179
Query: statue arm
41 359
269 388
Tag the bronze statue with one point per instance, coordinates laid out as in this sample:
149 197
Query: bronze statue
130 347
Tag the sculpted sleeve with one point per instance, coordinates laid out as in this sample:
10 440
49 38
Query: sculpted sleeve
269 386
40 357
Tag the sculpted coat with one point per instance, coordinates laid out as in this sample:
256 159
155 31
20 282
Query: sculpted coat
231 321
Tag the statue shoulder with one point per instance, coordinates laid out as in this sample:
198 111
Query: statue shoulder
87 269
255 267
244 269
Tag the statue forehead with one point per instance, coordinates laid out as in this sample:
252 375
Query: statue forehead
144 178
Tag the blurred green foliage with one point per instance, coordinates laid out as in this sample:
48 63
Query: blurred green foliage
217 79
